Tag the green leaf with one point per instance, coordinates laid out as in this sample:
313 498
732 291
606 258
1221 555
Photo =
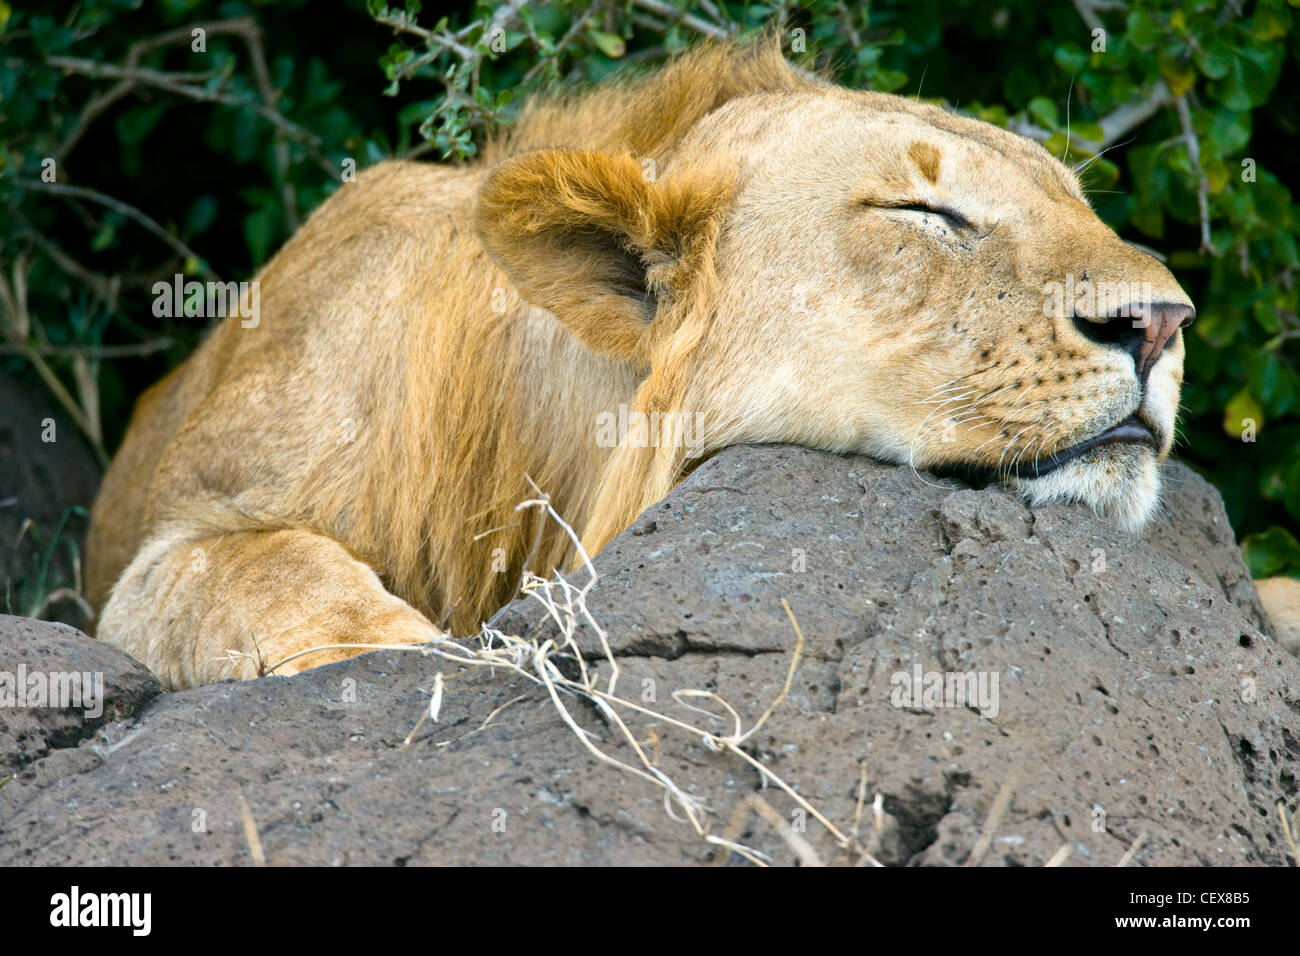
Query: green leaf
1214 59
1266 380
1089 131
610 44
888 80
202 213
1270 22
1240 413
1228 131
1260 69
105 236
1044 110
1150 178
1218 175
1143 31
259 230
1270 552
1070 58
1179 76
1249 79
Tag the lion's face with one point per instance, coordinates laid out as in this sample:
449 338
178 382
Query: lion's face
855 272
936 291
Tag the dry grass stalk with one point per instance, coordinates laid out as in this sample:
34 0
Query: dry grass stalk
250 831
535 660
1132 850
1000 804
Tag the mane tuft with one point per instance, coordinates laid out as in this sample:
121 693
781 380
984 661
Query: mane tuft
648 115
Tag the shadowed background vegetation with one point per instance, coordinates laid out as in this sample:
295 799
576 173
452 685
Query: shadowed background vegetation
130 150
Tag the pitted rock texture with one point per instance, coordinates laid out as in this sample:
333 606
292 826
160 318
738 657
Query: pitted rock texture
42 649
1138 696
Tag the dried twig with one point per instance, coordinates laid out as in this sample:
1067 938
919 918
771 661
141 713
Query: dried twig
136 350
1088 11
1133 850
131 76
17 328
134 54
1060 856
535 660
250 831
1288 830
999 807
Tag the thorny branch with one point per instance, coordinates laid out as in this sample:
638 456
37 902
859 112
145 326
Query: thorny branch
471 46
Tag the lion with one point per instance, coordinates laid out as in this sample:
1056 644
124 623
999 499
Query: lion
732 249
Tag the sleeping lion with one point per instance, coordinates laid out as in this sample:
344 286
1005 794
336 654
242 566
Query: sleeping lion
730 250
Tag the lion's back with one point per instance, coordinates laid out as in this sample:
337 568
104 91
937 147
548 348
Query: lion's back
322 339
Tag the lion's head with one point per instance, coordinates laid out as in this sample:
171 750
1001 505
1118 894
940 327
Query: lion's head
793 261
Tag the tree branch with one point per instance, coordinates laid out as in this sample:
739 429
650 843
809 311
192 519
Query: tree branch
1202 181
1114 125
1088 12
1133 114
131 75
135 350
117 205
1124 118
673 15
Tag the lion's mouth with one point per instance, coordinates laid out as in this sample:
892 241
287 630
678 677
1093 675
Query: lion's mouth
1131 431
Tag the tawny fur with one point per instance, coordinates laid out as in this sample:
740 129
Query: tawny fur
714 240
1281 598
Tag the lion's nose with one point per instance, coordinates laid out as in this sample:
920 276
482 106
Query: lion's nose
1158 323
1142 329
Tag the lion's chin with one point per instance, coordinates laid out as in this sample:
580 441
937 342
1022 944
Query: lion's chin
1121 483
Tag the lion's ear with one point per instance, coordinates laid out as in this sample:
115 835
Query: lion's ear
590 237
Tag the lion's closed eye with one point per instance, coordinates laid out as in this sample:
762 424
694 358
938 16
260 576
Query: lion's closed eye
948 214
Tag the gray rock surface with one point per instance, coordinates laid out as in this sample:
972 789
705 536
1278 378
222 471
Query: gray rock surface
43 648
1138 696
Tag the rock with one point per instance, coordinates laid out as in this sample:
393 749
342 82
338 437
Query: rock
46 490
1137 696
120 685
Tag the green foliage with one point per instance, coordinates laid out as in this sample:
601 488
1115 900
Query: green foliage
1271 552
38 583
226 156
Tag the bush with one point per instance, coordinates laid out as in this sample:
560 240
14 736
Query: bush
132 148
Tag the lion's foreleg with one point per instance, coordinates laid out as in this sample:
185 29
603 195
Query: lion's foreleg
200 609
